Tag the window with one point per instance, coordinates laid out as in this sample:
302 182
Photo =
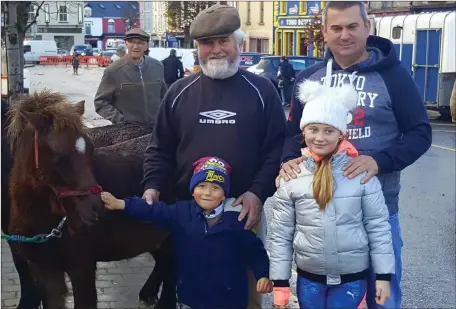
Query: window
111 26
88 28
387 4
396 33
261 13
63 14
259 45
32 12
47 16
102 6
248 22
133 6
87 11
118 6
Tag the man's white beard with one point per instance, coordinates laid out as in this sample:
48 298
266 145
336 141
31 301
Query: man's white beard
221 68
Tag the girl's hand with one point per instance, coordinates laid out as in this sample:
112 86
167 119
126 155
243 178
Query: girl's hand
281 297
111 202
382 291
264 285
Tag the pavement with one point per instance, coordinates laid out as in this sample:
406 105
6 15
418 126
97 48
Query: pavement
427 213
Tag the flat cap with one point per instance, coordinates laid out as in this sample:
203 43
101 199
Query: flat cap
215 21
137 33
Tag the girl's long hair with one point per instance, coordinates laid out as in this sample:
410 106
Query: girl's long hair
323 181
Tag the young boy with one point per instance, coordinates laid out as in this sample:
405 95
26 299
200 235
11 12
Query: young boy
213 250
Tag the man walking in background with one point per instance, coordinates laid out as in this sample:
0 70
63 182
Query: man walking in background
173 68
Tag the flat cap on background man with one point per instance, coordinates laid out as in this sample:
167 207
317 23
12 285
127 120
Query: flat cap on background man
215 21
137 33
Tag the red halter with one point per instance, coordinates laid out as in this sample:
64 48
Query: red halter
61 192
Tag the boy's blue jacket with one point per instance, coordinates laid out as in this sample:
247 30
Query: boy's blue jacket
212 262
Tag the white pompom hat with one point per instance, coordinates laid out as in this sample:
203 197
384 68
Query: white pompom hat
326 104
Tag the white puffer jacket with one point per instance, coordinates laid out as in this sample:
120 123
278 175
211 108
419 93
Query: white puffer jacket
350 233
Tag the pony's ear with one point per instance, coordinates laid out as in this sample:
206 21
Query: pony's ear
80 107
38 121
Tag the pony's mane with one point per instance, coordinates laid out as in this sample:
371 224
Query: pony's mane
51 105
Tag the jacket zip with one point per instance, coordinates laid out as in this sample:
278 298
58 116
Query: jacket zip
144 87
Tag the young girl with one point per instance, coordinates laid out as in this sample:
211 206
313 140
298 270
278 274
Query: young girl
335 226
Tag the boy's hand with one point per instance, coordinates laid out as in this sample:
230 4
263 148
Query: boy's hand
111 202
382 291
264 285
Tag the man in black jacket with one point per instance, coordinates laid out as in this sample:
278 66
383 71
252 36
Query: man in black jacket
173 68
286 80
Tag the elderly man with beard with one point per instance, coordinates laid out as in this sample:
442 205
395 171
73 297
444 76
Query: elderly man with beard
221 111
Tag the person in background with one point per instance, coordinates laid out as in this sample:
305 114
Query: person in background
286 77
196 64
213 249
75 63
121 51
132 88
334 225
389 127
173 68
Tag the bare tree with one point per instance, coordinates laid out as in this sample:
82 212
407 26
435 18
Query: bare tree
180 15
16 19
130 18
314 34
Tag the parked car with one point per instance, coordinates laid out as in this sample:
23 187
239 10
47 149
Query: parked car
96 52
82 50
249 59
63 52
269 66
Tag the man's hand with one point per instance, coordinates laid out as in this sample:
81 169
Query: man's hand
151 195
251 205
264 285
382 291
289 170
360 165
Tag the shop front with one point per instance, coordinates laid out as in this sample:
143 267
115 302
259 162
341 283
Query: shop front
94 41
290 20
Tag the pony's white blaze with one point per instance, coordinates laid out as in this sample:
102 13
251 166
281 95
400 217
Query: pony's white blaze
80 145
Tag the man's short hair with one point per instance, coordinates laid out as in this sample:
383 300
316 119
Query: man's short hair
342 5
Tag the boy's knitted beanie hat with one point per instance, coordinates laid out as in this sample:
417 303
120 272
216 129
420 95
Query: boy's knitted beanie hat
211 169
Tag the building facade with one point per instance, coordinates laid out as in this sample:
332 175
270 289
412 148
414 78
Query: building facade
61 21
159 24
117 17
145 16
290 19
257 22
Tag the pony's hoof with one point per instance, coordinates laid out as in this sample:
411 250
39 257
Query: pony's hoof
147 304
